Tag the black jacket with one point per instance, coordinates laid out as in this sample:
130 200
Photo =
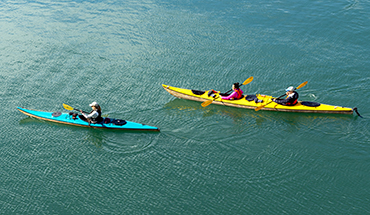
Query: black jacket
290 101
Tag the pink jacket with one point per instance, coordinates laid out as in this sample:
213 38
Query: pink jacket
237 94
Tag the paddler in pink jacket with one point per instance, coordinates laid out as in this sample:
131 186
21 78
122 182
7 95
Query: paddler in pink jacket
237 94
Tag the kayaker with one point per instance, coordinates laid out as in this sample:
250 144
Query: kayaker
95 115
291 99
237 94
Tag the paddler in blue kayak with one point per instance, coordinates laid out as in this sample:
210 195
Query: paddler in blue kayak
95 115
291 99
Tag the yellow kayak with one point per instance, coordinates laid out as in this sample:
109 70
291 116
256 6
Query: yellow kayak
248 101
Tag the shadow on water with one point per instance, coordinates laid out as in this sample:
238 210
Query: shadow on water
181 105
31 120
114 141
261 118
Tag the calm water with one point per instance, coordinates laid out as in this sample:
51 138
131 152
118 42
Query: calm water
213 160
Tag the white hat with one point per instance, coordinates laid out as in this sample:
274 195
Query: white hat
94 104
291 88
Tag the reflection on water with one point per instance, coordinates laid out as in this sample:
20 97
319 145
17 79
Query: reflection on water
94 137
116 141
290 121
119 141
28 120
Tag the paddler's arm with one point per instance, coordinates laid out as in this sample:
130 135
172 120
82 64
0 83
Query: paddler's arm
87 117
231 96
91 115
279 101
83 114
282 101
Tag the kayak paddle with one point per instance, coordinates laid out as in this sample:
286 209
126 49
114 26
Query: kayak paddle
208 102
262 106
249 80
67 107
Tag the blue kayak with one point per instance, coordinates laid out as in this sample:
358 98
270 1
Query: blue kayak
74 119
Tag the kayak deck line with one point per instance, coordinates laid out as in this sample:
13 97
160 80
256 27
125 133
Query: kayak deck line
244 103
66 118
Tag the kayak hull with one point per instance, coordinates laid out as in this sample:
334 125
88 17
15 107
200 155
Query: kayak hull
66 118
245 102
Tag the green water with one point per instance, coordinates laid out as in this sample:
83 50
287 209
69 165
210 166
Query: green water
213 160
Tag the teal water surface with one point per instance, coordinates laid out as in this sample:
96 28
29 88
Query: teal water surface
213 160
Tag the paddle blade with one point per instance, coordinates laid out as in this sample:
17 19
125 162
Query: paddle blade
259 108
206 103
249 80
67 107
302 85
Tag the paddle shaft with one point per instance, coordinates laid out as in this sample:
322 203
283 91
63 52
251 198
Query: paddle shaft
244 83
276 98
228 91
79 110
208 102
67 107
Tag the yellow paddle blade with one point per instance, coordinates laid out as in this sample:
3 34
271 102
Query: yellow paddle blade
206 103
249 80
302 85
67 107
260 107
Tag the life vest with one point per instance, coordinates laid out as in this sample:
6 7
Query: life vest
294 102
240 93
98 118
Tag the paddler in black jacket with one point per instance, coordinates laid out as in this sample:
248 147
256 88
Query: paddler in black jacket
291 99
95 115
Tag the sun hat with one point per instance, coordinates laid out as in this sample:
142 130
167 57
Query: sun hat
94 104
291 88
